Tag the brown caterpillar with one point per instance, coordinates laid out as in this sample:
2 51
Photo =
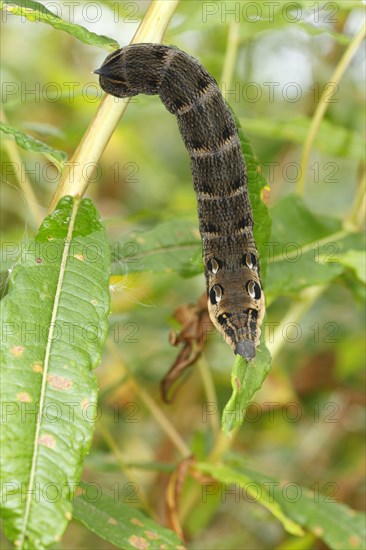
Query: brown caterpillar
235 295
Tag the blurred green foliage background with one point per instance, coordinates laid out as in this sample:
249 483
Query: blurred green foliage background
307 422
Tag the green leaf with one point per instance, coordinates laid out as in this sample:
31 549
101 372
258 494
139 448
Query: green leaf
255 489
258 186
54 322
303 249
36 12
30 143
315 30
169 246
293 222
331 138
355 259
246 379
119 524
334 523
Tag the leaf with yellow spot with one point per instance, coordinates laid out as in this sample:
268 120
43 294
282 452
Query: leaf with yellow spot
121 525
337 525
54 324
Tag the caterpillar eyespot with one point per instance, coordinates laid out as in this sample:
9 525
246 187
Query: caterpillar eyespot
216 293
249 260
254 290
214 265
219 175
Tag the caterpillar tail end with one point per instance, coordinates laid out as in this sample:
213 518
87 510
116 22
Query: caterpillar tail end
246 348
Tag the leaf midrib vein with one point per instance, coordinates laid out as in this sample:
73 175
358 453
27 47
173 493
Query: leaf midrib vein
45 369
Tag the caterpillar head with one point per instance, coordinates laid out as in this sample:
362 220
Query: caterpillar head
134 69
236 302
111 77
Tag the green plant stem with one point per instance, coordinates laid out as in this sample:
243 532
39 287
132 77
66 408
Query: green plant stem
163 422
23 182
230 54
223 443
74 182
125 468
210 392
306 299
323 105
356 218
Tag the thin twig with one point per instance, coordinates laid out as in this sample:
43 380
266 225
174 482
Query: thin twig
22 178
125 467
165 424
210 392
230 55
323 104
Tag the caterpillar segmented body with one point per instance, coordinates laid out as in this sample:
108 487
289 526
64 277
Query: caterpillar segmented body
235 295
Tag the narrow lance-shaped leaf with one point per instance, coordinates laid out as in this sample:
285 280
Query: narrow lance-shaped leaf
35 12
29 143
256 491
169 246
258 188
120 524
334 523
54 323
246 379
